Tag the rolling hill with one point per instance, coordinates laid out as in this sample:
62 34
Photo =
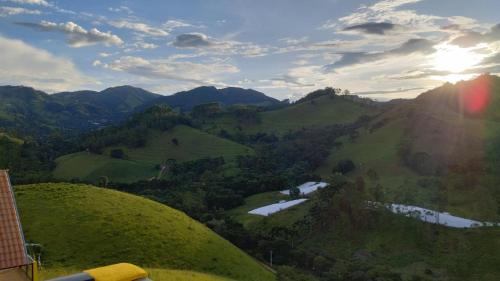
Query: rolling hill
26 111
80 227
433 151
323 110
228 96
140 163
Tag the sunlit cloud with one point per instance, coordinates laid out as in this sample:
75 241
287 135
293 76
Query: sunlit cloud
169 68
11 11
76 36
26 65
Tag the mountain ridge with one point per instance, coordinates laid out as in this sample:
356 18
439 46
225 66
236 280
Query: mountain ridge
28 111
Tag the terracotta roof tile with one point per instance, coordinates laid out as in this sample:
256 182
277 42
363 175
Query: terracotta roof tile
12 248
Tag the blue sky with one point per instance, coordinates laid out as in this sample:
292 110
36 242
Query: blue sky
285 48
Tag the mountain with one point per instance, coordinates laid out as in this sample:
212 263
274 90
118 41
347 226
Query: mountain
228 96
116 100
439 150
79 227
26 111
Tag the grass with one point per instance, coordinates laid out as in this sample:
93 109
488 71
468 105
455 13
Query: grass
140 163
156 274
81 227
90 167
378 151
322 112
193 144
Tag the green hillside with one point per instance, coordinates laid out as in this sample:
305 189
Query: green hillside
192 144
82 226
431 152
140 163
320 111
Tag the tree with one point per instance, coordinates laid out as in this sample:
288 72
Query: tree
372 175
294 192
345 166
103 181
378 193
321 264
117 153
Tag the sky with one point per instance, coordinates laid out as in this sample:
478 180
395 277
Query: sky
382 49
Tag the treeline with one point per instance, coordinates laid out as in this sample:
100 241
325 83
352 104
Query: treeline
135 131
31 161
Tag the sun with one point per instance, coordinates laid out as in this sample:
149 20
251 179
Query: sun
453 59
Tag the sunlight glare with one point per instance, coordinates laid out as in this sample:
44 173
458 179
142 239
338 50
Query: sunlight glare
454 59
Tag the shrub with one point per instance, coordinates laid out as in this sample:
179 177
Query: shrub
117 153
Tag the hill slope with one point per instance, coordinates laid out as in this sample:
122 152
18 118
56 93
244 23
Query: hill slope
140 162
319 111
228 96
27 111
433 151
82 226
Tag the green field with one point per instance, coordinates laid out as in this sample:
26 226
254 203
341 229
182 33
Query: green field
193 144
82 227
323 111
140 163
378 151
90 167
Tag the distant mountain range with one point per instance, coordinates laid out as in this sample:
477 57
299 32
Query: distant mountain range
228 96
28 111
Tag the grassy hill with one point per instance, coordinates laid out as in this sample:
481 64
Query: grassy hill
140 162
82 226
432 152
321 111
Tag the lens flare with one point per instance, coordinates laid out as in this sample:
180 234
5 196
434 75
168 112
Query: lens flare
475 98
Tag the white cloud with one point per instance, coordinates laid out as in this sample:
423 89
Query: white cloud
32 2
76 35
121 9
388 11
27 65
170 69
173 24
208 45
11 11
145 45
142 28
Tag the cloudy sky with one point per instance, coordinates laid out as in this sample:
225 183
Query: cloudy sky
284 48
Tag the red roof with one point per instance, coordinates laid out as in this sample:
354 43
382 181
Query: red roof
12 247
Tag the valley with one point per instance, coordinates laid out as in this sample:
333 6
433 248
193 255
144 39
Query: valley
231 171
